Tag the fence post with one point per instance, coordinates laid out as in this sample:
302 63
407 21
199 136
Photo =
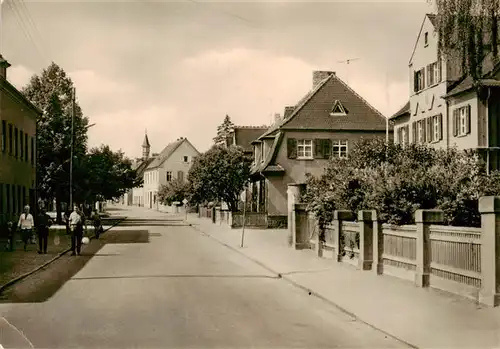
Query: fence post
300 233
213 214
366 220
489 207
338 217
423 220
378 246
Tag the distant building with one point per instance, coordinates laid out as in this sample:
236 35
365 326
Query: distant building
17 149
243 136
173 162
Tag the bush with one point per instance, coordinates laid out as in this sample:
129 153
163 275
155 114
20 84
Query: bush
396 181
173 191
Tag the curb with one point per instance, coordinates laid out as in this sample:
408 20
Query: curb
309 291
59 255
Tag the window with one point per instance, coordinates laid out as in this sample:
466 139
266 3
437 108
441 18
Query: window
11 144
421 130
339 148
26 147
21 145
185 159
461 121
261 149
304 149
32 150
338 109
16 142
4 136
403 134
180 176
437 127
426 39
418 80
433 74
168 176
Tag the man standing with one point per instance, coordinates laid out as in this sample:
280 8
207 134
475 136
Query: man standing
76 227
26 224
43 223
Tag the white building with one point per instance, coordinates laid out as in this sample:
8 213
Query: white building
173 162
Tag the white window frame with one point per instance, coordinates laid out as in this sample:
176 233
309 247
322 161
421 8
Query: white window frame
168 176
420 132
340 148
403 135
435 128
185 159
262 157
304 149
436 72
462 121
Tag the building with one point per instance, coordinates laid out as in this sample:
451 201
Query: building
17 149
173 163
325 123
446 107
243 136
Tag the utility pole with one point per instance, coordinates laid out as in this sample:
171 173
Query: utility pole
347 62
71 149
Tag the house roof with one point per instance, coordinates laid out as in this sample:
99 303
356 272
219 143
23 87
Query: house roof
245 135
268 163
433 19
314 112
405 109
166 153
141 167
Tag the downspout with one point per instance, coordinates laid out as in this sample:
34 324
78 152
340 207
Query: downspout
447 118
488 132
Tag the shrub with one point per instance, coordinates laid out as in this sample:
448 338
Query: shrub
396 181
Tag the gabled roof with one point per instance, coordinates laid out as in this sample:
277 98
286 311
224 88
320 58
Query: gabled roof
166 153
141 167
405 109
433 19
245 135
268 163
314 112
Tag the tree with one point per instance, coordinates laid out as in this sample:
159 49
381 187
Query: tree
219 174
174 191
224 130
51 92
468 30
108 175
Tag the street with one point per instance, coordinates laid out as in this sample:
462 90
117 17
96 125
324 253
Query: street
182 289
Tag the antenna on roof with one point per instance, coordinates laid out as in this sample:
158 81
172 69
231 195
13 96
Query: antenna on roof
347 62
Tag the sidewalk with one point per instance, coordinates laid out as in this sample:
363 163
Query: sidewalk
425 318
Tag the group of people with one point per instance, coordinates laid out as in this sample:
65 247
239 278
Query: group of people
76 221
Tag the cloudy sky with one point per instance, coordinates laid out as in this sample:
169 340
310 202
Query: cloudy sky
177 68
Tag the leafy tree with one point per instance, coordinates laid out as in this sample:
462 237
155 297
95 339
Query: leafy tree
219 174
108 175
223 131
468 30
174 191
51 92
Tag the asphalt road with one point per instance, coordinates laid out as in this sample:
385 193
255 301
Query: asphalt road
180 290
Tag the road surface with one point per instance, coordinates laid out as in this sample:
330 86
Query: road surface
180 290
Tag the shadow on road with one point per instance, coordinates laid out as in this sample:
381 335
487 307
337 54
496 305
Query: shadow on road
180 276
136 222
43 284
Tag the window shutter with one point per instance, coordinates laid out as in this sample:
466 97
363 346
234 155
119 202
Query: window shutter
407 135
440 126
318 149
429 71
455 122
439 66
398 135
467 120
291 147
180 176
422 74
327 148
414 131
415 79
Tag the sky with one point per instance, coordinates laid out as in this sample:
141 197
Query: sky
176 69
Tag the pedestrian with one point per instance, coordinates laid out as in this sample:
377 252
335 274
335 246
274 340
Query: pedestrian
96 220
26 224
66 221
76 227
10 236
43 223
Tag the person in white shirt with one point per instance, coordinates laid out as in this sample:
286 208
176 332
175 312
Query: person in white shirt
76 227
26 224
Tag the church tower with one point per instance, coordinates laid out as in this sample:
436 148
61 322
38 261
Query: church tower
146 147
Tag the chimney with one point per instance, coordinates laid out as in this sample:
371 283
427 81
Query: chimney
3 67
288 111
320 75
277 117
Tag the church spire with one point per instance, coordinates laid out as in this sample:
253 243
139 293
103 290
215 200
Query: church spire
145 146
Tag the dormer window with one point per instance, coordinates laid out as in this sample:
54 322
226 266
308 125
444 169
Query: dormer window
338 109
